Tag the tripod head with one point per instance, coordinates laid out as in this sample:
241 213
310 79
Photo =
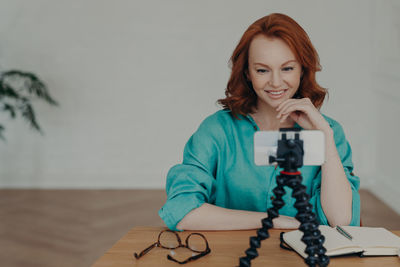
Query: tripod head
307 148
290 150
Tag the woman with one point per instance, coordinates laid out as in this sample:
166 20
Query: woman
272 86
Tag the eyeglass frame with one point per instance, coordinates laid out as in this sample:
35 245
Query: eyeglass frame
180 244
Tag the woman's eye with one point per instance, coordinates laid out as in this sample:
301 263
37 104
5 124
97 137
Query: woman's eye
261 70
287 68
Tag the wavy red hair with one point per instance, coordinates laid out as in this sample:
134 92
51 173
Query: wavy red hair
240 96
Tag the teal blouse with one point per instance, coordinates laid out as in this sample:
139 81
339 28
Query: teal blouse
218 168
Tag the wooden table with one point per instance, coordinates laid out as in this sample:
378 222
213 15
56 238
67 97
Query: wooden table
226 248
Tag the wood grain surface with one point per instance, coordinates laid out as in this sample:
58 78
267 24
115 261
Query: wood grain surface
226 248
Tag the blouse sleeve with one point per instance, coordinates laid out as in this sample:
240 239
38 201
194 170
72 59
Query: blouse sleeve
345 154
192 183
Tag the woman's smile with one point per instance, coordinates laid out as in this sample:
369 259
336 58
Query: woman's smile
276 94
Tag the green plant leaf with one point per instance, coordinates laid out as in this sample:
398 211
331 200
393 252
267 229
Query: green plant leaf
29 115
9 108
8 91
30 83
17 90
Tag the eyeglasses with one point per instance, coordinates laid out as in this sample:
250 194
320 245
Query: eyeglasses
168 239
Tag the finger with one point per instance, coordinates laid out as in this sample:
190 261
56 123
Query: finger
294 107
284 105
303 101
294 115
291 100
287 101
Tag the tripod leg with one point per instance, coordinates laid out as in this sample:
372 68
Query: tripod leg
262 233
309 226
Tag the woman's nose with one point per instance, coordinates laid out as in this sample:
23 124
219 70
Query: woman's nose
276 80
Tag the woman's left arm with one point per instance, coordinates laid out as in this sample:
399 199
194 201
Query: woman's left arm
336 193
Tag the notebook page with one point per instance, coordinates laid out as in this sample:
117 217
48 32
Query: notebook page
373 237
334 243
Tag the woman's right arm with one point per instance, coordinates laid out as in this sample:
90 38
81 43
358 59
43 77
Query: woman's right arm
211 217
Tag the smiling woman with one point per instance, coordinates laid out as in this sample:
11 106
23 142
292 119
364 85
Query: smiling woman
274 74
279 75
272 86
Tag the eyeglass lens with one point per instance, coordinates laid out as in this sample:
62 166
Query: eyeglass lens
196 243
169 240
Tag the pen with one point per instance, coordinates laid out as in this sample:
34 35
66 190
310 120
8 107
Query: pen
343 232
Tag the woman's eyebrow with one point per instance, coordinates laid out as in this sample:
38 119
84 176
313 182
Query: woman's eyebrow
259 63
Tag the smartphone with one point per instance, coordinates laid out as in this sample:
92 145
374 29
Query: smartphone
266 145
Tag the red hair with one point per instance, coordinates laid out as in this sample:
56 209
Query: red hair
240 96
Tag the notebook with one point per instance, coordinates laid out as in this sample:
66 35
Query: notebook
367 241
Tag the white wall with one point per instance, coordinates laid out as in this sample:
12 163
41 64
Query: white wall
386 94
135 79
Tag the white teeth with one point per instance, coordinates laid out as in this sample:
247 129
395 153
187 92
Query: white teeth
276 92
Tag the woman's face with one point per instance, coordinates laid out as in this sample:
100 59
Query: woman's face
273 71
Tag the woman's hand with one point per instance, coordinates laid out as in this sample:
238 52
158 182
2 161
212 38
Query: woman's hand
304 113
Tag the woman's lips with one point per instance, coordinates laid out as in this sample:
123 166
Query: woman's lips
276 94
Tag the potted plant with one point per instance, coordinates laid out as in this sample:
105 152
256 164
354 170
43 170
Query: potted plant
18 90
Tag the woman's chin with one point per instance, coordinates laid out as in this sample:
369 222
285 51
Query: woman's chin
273 103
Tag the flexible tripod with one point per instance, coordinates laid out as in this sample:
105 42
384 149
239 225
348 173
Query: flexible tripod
290 158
